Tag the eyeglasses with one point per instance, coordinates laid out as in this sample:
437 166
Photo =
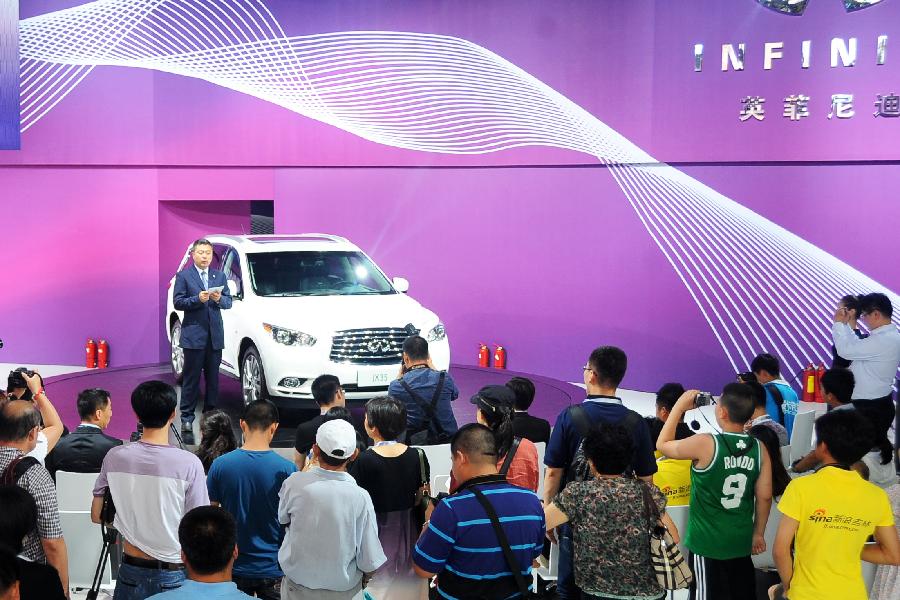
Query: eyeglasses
587 368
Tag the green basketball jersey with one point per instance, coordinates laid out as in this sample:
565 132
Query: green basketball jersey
720 524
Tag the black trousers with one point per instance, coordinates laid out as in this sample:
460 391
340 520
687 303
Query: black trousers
880 411
206 360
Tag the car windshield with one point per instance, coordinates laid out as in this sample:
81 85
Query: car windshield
315 274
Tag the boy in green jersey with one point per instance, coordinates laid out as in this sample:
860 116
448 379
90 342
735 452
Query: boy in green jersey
731 494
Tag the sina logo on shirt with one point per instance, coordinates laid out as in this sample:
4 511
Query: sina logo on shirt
846 522
796 7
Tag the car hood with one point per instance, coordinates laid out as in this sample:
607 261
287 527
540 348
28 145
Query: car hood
323 315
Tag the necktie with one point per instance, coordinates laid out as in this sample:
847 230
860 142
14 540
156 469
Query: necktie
203 279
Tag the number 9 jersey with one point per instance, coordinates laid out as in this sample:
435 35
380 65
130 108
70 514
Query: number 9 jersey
720 525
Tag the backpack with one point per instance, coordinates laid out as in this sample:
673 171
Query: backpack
425 434
579 469
17 468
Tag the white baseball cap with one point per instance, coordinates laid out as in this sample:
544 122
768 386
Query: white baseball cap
337 439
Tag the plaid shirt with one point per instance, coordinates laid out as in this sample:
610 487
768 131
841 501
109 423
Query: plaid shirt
37 482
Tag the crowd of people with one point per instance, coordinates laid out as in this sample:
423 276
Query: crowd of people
354 516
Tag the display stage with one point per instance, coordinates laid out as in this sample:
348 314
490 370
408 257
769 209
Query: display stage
550 398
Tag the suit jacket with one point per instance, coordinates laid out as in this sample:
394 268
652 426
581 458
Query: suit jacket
201 319
531 428
82 451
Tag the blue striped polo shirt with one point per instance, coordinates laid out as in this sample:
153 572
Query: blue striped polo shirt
461 546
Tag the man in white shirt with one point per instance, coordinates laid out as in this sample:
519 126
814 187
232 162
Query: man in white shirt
875 358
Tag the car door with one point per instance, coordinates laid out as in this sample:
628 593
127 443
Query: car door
231 318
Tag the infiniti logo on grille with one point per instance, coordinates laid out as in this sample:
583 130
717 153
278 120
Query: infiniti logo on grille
796 7
376 346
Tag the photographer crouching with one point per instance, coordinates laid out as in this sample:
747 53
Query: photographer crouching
25 384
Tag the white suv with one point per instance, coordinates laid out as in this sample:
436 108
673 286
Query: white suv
305 305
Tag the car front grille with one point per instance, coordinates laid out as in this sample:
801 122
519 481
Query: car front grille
383 346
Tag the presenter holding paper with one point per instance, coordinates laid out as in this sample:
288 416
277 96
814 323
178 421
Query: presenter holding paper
201 293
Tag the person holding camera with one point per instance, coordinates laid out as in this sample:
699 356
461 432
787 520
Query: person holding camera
25 384
202 293
731 494
152 485
427 394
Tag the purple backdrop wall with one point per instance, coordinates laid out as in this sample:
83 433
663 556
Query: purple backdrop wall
545 258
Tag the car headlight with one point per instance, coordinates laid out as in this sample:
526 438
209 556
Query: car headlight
437 333
289 337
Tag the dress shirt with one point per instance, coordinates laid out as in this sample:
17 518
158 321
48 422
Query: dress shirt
875 358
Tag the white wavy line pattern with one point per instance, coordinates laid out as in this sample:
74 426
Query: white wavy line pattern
758 286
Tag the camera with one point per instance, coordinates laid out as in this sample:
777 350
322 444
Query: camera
746 377
703 399
16 379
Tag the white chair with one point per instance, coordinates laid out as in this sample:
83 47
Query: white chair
438 460
548 566
74 492
801 435
441 484
287 453
679 516
766 561
786 456
541 448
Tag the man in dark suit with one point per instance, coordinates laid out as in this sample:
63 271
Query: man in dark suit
524 425
82 451
202 332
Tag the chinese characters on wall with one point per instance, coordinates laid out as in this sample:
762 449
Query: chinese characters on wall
796 107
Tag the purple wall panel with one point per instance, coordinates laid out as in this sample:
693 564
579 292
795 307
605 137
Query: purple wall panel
549 263
80 260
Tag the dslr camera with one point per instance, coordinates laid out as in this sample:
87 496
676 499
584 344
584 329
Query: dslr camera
746 377
703 399
16 380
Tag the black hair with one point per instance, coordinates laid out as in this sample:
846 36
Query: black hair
609 447
10 572
18 517
766 362
769 439
668 395
216 437
759 393
208 535
610 364
387 415
325 388
201 242
17 419
416 347
338 412
738 401
839 383
260 415
851 302
876 301
90 401
331 460
499 418
523 388
847 434
154 402
477 442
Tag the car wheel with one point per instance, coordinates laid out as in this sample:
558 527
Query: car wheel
177 353
253 377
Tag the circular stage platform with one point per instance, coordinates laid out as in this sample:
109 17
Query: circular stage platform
550 398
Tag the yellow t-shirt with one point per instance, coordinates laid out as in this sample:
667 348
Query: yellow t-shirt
837 510
673 478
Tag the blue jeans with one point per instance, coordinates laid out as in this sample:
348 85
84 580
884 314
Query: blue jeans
565 582
138 583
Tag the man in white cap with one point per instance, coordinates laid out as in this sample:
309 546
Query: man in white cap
331 547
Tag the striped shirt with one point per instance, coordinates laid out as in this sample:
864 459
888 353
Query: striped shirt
460 543
37 482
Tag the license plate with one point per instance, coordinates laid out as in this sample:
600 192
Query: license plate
366 379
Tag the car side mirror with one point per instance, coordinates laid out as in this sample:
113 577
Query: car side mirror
232 287
400 284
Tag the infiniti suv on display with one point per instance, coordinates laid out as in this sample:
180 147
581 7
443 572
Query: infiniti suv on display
307 305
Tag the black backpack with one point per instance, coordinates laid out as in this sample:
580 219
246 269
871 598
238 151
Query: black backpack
778 398
17 468
579 469
426 434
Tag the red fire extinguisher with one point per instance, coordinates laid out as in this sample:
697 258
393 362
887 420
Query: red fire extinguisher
499 357
809 384
819 395
102 354
90 354
484 356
